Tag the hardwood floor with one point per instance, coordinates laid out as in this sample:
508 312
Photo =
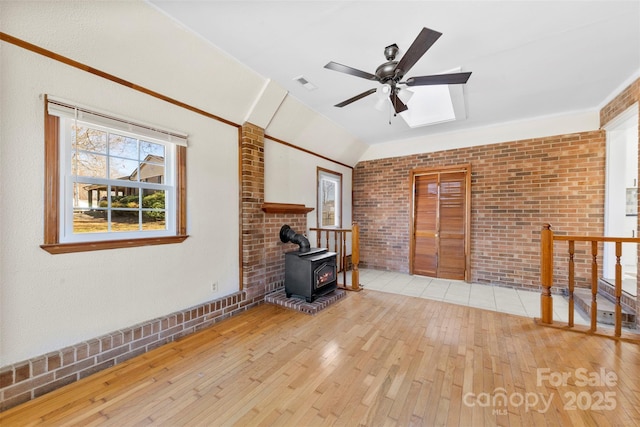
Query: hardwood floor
371 359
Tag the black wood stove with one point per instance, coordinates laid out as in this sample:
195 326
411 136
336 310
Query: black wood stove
309 272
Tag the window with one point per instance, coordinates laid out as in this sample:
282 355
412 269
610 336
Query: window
329 198
109 182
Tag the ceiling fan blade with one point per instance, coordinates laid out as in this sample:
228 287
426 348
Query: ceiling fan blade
420 45
349 70
355 98
398 105
439 79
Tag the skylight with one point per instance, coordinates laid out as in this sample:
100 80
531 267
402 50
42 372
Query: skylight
430 105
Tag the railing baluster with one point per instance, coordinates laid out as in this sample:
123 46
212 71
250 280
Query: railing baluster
343 244
337 249
355 257
339 245
572 279
547 238
546 274
594 285
618 290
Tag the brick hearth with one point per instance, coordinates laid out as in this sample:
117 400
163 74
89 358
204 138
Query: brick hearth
301 305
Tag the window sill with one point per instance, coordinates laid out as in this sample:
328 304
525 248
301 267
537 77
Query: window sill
65 248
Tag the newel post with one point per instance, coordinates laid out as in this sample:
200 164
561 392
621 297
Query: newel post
355 257
546 273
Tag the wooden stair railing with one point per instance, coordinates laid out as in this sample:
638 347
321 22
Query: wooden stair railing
335 240
547 239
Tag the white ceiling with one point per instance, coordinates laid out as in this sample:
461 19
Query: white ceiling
528 58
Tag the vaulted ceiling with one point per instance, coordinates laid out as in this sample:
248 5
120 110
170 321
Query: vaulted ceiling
528 58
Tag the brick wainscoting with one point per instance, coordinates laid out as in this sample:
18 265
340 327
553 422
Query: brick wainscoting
27 380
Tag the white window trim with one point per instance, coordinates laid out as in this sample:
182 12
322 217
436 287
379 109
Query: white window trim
327 175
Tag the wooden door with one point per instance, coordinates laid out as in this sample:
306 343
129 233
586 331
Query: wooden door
425 256
440 223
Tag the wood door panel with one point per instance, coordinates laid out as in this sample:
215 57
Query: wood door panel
440 215
451 260
425 260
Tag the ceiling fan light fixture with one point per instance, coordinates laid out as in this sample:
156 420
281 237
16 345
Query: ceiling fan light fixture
383 91
382 104
405 95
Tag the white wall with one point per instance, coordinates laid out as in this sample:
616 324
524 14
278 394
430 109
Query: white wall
622 173
53 300
290 177
49 301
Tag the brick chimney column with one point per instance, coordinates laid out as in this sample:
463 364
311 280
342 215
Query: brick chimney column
253 218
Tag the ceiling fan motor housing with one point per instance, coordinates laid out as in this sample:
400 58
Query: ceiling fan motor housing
387 71
391 51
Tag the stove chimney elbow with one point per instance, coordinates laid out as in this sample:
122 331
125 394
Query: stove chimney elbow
288 235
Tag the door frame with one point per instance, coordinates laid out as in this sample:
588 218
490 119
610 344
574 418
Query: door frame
466 168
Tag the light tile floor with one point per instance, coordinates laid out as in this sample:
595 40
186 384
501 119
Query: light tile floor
496 298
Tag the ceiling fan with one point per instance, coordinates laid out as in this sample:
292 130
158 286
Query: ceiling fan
390 73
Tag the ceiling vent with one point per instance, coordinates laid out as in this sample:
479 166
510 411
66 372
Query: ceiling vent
305 83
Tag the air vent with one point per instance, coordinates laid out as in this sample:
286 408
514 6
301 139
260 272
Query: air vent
305 83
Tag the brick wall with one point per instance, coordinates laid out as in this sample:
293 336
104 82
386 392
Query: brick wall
262 250
516 187
617 105
252 198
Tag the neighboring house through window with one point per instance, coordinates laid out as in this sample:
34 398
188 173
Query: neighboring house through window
110 182
329 198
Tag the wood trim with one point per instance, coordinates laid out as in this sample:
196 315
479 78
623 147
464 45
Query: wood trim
240 215
51 177
304 150
467 243
285 208
65 248
52 201
412 210
181 191
72 63
597 239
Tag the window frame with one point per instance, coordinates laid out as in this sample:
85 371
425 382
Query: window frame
322 174
53 208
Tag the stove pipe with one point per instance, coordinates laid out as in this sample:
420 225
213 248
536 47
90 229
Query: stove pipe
288 235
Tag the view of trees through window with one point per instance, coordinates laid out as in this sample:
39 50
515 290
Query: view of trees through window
118 182
328 200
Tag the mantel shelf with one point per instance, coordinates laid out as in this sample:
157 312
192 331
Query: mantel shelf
284 208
